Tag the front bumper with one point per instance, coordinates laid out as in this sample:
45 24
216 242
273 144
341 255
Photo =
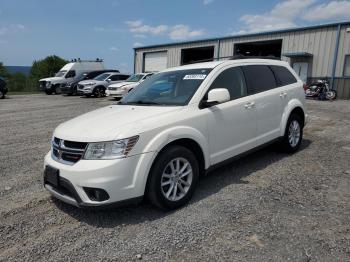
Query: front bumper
85 91
115 93
67 89
120 178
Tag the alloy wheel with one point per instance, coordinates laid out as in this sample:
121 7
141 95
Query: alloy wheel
294 133
176 179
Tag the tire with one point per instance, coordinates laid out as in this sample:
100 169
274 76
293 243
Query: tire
293 134
99 92
331 94
57 90
2 95
179 190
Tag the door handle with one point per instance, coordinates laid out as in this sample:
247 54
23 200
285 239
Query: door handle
283 94
249 105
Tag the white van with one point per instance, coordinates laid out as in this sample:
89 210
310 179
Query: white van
69 73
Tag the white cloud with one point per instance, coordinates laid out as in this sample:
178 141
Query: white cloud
19 26
177 32
136 23
3 30
137 28
207 2
182 32
114 49
137 44
333 10
289 13
282 15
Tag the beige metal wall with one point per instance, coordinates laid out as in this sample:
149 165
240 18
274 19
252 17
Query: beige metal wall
319 42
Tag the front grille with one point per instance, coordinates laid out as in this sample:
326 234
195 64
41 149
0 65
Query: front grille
42 85
80 86
67 152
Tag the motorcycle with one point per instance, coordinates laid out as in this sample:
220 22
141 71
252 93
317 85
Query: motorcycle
320 89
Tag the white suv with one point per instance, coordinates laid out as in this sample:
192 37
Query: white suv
173 128
120 89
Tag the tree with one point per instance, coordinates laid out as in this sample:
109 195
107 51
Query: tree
18 82
46 67
3 71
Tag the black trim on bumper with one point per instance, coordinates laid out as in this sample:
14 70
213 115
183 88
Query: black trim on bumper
66 189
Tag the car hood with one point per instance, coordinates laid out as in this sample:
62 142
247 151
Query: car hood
123 84
54 79
111 123
87 82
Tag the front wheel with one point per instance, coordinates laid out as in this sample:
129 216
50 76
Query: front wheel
293 134
331 94
48 91
99 92
173 178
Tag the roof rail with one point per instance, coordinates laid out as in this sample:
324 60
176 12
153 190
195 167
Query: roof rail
240 56
79 60
234 57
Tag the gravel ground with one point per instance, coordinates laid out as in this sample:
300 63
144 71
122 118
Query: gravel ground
265 207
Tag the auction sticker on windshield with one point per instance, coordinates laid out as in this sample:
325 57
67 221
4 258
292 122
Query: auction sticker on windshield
194 77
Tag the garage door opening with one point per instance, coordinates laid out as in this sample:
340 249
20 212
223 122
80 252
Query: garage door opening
271 48
155 61
198 54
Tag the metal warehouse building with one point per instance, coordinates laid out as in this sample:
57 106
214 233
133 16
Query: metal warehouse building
314 52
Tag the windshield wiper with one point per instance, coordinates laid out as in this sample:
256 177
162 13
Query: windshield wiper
140 102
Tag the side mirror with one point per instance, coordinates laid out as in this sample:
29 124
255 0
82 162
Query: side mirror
216 96
109 80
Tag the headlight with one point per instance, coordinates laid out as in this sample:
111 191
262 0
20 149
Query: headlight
48 84
110 150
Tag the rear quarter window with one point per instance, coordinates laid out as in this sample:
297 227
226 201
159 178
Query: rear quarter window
283 75
260 78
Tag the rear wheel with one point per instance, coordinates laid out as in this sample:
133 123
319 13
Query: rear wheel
293 134
173 178
331 94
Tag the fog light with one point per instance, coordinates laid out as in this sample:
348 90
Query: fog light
96 194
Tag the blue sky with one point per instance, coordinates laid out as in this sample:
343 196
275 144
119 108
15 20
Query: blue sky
110 29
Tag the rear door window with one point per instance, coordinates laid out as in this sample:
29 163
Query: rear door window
259 78
116 77
283 75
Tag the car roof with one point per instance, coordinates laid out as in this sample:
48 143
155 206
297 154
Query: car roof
211 65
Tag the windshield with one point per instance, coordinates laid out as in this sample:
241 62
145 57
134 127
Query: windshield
102 77
167 88
135 78
61 73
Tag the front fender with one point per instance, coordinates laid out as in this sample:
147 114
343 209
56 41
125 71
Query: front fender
292 104
158 142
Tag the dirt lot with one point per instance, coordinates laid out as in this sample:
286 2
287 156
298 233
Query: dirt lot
265 207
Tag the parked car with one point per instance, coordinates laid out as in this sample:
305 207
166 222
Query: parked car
118 90
70 88
68 73
3 88
156 144
97 86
